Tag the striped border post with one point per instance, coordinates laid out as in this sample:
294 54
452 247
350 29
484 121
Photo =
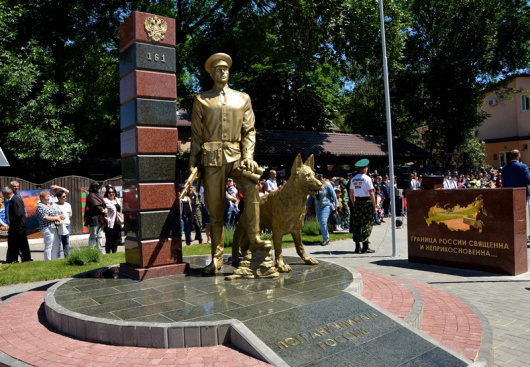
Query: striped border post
148 90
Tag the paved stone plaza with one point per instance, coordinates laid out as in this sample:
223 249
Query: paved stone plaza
503 301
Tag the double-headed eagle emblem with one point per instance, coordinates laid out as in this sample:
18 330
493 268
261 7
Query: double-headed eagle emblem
155 28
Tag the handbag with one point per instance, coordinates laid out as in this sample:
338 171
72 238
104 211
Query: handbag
119 218
63 229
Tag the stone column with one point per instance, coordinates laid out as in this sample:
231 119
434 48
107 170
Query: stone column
149 147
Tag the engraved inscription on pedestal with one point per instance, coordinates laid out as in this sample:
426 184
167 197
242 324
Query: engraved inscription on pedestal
475 229
148 57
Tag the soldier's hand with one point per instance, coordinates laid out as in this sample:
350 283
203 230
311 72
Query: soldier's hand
249 164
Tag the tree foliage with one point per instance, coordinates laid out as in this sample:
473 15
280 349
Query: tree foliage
59 105
455 50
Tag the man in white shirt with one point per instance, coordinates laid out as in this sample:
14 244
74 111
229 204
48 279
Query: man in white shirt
362 197
271 184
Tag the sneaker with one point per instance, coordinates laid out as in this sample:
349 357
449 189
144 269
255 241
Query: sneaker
324 243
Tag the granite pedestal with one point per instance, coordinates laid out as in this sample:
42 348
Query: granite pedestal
309 317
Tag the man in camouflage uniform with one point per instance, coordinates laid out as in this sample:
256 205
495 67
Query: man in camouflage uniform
346 208
362 197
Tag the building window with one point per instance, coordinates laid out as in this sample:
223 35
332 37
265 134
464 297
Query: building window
525 103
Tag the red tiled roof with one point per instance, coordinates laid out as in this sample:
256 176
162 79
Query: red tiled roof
281 142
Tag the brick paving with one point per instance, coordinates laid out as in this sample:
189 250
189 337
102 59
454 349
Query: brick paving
387 293
26 336
445 318
450 321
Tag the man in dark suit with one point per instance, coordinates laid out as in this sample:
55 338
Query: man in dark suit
16 235
516 174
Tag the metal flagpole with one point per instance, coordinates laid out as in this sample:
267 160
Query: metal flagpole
389 131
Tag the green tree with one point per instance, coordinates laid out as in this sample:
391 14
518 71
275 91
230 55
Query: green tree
60 104
454 51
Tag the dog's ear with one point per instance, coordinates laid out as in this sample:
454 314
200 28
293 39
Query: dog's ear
310 162
297 163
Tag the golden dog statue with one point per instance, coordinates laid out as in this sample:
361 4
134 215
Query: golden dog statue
283 211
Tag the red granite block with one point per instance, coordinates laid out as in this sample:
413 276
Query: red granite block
150 196
133 30
149 140
153 271
153 252
148 84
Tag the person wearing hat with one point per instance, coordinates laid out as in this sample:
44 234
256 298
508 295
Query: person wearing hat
223 138
362 197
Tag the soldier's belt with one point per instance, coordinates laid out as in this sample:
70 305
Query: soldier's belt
212 152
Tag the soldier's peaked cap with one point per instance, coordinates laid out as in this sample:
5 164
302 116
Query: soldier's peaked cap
218 59
362 163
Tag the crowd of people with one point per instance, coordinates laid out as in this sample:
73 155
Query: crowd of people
332 206
103 215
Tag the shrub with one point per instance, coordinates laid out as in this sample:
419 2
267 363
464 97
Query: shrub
84 255
311 227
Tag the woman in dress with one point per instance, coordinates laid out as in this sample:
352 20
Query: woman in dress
49 216
113 229
95 216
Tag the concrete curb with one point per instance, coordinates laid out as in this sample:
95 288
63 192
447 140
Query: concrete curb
415 317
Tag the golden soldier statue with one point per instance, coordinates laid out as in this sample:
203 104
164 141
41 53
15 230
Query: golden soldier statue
223 138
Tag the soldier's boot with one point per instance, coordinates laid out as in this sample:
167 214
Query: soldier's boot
218 241
366 249
357 248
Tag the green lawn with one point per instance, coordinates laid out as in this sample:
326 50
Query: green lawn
36 271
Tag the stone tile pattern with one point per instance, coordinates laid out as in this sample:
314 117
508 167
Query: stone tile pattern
445 318
148 83
26 336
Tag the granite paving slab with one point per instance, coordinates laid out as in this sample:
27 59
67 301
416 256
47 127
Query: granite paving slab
303 318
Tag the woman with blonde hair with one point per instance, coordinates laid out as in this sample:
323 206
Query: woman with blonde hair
49 216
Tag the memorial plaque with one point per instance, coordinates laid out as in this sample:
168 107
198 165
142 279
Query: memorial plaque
345 331
148 112
148 57
480 229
